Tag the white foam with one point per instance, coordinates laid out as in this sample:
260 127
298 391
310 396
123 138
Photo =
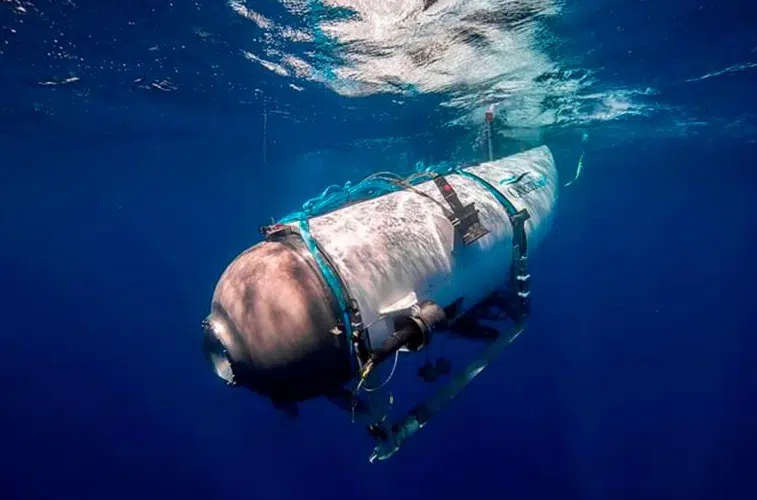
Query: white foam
474 52
736 68
276 68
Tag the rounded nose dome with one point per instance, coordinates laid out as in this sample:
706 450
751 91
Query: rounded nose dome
216 353
271 326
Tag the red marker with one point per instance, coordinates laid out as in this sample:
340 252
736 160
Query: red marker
490 114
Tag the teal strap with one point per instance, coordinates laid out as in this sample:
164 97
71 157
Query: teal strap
328 273
333 281
509 207
519 268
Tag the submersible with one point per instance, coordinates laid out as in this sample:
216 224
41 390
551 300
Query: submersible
335 290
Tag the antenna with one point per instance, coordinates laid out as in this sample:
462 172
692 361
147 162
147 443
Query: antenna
265 135
489 118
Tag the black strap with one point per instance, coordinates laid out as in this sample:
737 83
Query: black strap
464 218
519 264
521 279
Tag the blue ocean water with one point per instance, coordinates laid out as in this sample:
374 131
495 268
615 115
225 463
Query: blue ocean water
143 143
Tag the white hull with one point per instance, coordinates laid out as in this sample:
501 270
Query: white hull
387 248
